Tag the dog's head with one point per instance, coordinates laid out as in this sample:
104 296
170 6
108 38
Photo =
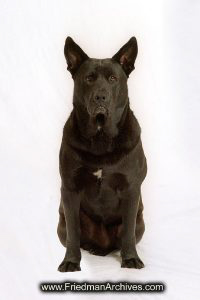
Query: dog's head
100 87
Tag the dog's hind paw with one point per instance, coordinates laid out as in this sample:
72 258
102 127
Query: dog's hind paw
95 250
135 263
98 251
68 266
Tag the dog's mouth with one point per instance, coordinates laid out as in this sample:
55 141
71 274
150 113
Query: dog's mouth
100 116
100 119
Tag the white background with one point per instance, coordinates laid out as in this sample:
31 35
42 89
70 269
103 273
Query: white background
35 101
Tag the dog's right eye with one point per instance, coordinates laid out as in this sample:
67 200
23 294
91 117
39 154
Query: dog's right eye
90 78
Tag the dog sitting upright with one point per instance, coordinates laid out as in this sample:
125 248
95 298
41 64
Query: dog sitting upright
102 163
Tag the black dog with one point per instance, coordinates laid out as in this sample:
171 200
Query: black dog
102 163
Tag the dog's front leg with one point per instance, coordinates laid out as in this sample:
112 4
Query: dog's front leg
71 207
130 202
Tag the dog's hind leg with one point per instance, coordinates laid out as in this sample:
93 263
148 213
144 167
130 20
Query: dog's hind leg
61 229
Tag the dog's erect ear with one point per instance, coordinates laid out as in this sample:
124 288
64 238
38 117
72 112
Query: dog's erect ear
74 55
126 56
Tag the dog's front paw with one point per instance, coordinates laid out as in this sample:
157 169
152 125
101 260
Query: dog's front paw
68 266
134 262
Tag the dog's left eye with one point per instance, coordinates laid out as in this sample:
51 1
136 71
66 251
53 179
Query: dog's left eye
112 78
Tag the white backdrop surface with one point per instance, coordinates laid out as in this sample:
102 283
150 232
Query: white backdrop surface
35 101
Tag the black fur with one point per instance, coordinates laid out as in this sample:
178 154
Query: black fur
102 163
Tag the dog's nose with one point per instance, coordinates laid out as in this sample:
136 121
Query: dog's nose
100 96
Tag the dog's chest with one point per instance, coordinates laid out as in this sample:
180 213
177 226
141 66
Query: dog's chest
100 189
92 181
98 173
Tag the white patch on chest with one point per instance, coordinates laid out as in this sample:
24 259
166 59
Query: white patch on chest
98 173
